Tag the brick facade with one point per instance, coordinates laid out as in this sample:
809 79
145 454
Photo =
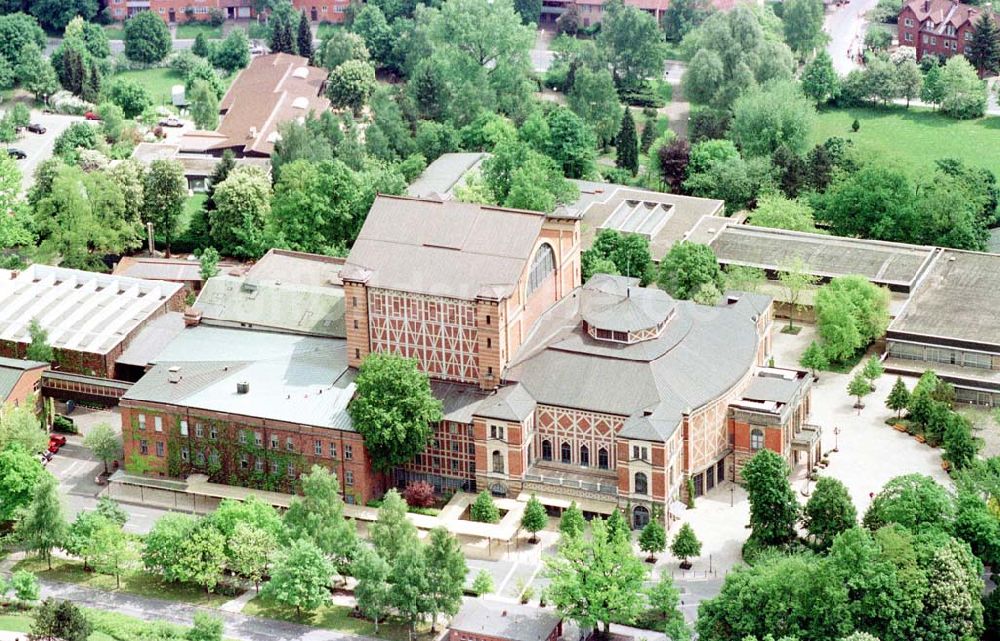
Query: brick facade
943 28
177 11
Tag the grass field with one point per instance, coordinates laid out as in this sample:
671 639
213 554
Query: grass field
325 28
114 32
191 31
336 617
914 138
141 584
158 82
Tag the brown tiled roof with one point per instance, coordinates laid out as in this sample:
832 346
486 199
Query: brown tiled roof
275 88
944 12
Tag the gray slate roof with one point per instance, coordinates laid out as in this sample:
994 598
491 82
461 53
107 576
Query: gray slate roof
444 174
451 249
620 304
505 620
298 379
11 371
701 353
772 388
510 403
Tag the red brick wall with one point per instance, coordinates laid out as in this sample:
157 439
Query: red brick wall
325 10
28 384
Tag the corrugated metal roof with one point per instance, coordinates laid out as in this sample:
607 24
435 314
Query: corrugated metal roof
450 249
298 379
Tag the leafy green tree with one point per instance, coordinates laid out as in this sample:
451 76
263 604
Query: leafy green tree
909 80
829 512
54 619
25 586
534 518
204 71
744 279
673 161
779 212
682 16
819 80
300 577
250 549
19 424
43 526
392 531
105 443
242 208
914 501
204 106
617 526
389 381
201 557
39 348
859 387
304 38
572 143
686 267
633 44
484 509
664 606
814 358
773 508
963 94
372 590
18 32
933 89
770 116
446 570
628 253
56 15
371 24
953 606
165 193
850 313
803 23
410 593
162 546
483 584
899 397
873 370
736 181
984 49
314 206
350 85
35 73
147 38
111 551
594 98
200 47
529 10
685 544
318 515
977 525
20 472
77 136
598 581
653 539
572 523
960 446
208 263
626 147
206 627
252 511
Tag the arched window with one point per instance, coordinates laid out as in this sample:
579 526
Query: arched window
756 439
641 484
602 458
546 451
543 264
566 453
497 461
640 517
584 455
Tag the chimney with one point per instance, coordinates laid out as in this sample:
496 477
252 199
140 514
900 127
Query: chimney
174 374
253 132
927 5
192 317
243 388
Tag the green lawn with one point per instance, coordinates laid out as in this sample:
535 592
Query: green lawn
914 138
326 28
674 51
158 82
115 32
141 584
22 623
191 31
335 617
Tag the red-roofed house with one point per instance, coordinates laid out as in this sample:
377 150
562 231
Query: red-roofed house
591 11
940 27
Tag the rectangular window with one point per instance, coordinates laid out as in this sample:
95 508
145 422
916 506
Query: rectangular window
213 432
348 452
291 471
968 35
199 430
454 464
184 427
909 37
142 422
200 459
925 38
333 450
143 446
290 444
349 499
213 457
908 22
185 454
258 464
243 437
244 461
349 478
933 40
274 467
159 449
258 439
274 441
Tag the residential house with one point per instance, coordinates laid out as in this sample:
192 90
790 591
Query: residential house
939 27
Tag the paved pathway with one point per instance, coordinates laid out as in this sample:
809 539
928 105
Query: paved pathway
847 26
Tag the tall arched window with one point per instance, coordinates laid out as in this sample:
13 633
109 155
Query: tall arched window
602 458
546 450
756 439
497 461
543 264
584 455
641 484
566 453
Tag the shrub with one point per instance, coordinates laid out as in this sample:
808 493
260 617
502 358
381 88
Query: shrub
484 509
419 494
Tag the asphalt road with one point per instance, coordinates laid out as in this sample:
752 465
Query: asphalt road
38 147
846 26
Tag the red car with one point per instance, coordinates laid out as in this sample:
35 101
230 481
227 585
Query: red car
55 442
90 115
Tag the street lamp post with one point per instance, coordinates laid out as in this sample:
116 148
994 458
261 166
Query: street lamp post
732 484
836 438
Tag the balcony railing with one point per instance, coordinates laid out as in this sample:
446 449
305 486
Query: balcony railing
589 486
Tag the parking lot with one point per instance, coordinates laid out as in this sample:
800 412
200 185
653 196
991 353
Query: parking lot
38 147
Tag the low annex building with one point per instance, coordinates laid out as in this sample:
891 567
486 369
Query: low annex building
90 318
606 393
481 620
20 379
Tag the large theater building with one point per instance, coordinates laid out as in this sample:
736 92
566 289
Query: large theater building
607 393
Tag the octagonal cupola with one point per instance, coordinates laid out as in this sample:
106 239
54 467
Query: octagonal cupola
616 309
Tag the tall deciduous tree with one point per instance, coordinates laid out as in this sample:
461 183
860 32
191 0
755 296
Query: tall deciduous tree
250 549
20 472
161 550
300 577
773 508
653 539
534 518
803 23
829 512
350 85
410 594
529 10
201 557
56 619
165 192
318 515
819 80
393 409
572 523
688 266
446 570
682 16
594 98
242 208
685 545
899 397
372 591
795 277
147 38
111 551
43 526
598 581
105 443
913 501
963 93
392 531
771 116
633 44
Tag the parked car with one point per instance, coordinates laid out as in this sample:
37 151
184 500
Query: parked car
16 153
36 128
171 122
57 439
90 115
